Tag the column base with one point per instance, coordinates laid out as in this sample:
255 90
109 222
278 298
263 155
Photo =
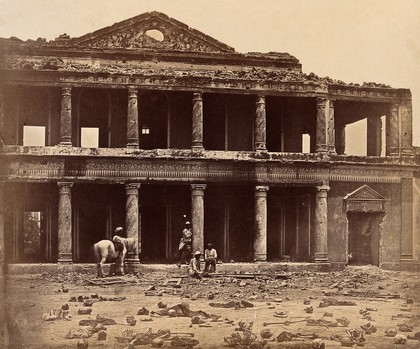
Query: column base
197 148
65 258
260 257
132 145
131 260
65 144
321 258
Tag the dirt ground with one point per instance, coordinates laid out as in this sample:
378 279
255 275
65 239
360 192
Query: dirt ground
41 311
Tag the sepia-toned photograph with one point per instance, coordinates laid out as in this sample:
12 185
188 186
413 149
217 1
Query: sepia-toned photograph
196 174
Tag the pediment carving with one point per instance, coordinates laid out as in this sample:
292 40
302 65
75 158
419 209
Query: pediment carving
364 199
139 33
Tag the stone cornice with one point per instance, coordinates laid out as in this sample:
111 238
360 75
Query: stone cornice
290 83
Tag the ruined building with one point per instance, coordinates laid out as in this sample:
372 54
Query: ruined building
148 123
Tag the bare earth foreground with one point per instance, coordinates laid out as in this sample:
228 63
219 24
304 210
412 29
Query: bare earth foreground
42 311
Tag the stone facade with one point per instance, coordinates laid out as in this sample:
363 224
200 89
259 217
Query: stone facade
185 128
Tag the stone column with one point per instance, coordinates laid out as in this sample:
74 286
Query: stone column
132 220
374 136
197 216
64 223
197 121
321 126
331 128
260 223
406 117
393 131
340 140
407 196
260 125
2 217
321 224
2 131
132 119
65 117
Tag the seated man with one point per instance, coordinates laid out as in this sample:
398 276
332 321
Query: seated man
210 257
194 268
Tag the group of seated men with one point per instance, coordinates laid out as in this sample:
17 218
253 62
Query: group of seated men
210 258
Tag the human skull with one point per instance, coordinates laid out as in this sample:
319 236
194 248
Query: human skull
400 339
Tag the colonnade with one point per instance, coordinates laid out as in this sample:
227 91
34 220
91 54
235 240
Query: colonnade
197 218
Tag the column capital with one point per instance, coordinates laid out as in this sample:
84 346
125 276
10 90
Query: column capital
262 188
197 96
198 187
331 103
66 90
132 90
65 187
260 99
132 188
321 102
323 188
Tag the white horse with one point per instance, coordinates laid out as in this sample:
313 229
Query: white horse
106 249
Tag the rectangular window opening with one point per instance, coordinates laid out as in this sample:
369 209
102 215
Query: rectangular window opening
356 139
306 143
34 135
89 137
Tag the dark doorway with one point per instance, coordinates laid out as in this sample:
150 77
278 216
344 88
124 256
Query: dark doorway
33 237
364 238
98 210
214 221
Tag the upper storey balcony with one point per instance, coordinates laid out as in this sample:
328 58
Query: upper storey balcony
152 85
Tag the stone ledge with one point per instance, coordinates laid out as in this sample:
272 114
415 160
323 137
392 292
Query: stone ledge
26 268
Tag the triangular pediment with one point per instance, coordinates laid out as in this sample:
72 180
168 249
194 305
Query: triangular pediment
364 193
152 30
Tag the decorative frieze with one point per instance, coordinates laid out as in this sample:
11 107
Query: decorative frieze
49 168
283 82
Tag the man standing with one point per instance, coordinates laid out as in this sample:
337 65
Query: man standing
210 257
184 248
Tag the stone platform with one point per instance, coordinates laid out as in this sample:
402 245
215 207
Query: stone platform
37 268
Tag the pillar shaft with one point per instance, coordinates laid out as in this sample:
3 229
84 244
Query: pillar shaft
321 126
64 223
65 117
197 121
2 217
392 133
321 225
197 216
260 223
407 219
374 136
2 130
406 115
331 128
260 125
132 220
340 140
132 119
